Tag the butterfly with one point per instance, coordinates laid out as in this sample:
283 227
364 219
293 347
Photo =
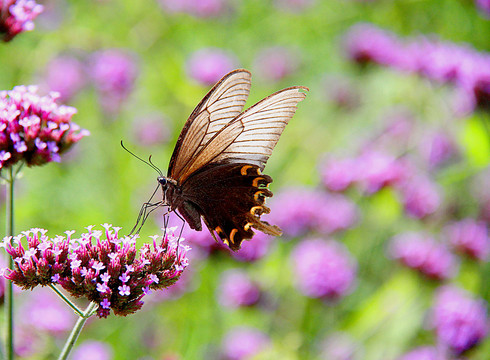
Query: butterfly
215 172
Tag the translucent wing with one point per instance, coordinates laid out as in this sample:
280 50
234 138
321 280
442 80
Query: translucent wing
252 135
222 103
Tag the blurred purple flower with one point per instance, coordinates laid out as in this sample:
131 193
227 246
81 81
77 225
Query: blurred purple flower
437 149
323 269
208 65
341 92
294 5
420 252
339 174
243 343
469 237
17 16
94 271
93 350
255 249
423 353
420 196
151 129
275 63
298 210
484 7
113 72
33 128
197 8
460 322
47 312
339 346
66 75
237 289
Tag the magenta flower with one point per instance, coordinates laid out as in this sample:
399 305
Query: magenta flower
66 75
420 197
423 353
459 321
114 73
208 65
339 174
484 7
17 16
324 269
151 129
33 128
469 237
275 63
243 343
424 254
341 92
255 249
73 259
93 350
437 149
237 289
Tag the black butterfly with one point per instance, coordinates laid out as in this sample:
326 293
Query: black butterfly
215 169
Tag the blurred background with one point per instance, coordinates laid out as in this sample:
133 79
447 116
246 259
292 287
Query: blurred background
381 179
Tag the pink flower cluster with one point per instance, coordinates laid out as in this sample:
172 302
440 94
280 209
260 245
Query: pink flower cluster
33 128
108 271
441 61
16 16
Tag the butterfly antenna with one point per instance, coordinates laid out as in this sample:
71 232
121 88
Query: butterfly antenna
154 166
146 162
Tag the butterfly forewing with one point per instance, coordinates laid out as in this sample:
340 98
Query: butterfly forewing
223 103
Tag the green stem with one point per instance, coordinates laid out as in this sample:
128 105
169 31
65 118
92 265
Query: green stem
66 300
72 339
9 303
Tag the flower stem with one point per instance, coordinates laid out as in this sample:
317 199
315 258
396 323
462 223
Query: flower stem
9 304
72 339
66 300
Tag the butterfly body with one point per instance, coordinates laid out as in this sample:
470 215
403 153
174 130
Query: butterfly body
215 172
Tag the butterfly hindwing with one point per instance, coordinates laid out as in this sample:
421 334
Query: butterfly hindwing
230 198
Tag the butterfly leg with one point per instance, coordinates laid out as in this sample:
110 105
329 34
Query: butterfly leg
143 215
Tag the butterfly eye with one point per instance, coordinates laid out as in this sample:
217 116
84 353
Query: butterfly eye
162 180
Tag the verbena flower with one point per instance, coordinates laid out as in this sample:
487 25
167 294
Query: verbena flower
339 174
100 266
208 65
275 63
94 350
114 73
469 237
237 289
151 129
255 249
341 92
423 253
33 128
423 353
66 75
323 269
243 343
17 16
460 321
420 196
484 7
437 149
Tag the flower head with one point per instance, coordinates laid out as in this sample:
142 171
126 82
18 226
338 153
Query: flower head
254 249
275 63
237 289
324 269
243 343
33 128
92 349
424 254
85 269
420 196
17 16
423 353
469 237
460 322
66 75
208 65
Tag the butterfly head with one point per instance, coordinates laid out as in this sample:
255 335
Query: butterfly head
162 180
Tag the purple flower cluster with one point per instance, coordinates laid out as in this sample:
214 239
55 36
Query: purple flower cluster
461 65
106 271
208 65
469 237
95 350
484 7
33 128
299 210
237 289
243 343
460 322
324 269
65 74
275 63
424 254
113 73
423 353
17 16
